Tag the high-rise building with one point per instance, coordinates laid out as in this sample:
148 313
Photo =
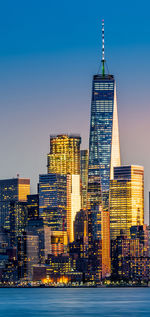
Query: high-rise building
27 255
64 159
126 199
129 256
33 206
81 225
53 198
18 220
43 231
104 150
64 156
15 189
84 157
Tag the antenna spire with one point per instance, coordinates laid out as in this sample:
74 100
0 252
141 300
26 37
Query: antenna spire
103 50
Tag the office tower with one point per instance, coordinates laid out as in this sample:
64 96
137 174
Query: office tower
64 159
53 198
64 156
39 228
104 151
81 225
84 157
33 206
142 234
129 256
18 220
126 199
15 189
27 255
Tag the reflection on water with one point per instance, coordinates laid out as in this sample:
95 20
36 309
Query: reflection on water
75 302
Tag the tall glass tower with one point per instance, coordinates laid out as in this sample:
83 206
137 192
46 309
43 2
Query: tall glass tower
104 148
104 151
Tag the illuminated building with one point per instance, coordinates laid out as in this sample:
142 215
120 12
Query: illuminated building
27 255
78 249
84 157
104 151
59 242
53 198
64 156
126 199
15 189
129 257
57 272
33 206
18 220
39 228
64 159
73 203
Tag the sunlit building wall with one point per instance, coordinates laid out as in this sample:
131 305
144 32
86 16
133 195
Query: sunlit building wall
64 156
73 203
64 159
126 199
59 242
84 157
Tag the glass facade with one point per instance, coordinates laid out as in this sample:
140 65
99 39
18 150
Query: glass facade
53 198
15 189
84 157
64 156
104 150
64 159
126 199
104 154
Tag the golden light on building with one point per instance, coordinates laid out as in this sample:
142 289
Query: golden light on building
73 203
64 156
23 189
106 267
126 199
64 159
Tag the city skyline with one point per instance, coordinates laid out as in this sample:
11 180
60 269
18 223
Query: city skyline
84 223
28 82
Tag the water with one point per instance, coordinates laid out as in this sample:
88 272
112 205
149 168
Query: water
75 302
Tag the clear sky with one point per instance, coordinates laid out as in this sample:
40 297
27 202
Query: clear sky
49 51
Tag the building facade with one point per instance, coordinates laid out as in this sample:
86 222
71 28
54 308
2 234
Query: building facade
126 199
15 189
84 157
53 198
64 160
64 156
104 151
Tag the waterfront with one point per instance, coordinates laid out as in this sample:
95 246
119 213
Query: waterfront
75 302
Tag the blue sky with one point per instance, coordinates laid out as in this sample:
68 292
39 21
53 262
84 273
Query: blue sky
49 51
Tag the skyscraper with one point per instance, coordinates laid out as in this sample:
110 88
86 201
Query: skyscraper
64 159
64 156
84 157
15 189
126 199
104 149
53 198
